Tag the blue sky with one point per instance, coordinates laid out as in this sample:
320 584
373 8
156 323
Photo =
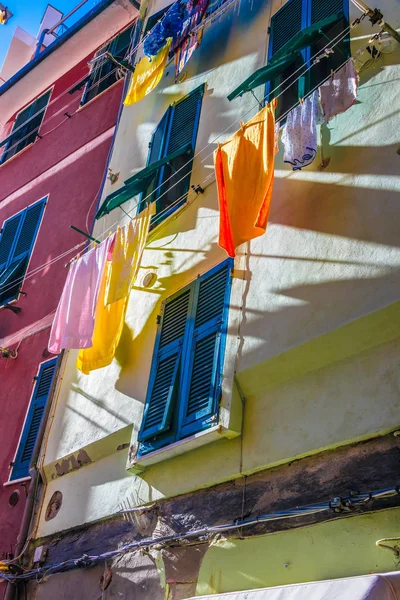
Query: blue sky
28 15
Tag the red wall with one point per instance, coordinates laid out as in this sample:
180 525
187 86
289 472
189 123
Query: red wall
71 187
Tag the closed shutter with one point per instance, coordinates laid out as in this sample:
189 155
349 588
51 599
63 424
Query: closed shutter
16 244
41 393
185 119
182 132
321 9
165 374
285 24
201 395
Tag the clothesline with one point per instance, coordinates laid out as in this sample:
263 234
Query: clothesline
13 283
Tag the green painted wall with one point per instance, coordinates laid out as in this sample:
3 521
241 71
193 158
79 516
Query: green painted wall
340 548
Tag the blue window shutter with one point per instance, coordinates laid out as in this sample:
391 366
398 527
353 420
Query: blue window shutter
165 373
16 244
40 396
157 139
200 397
7 239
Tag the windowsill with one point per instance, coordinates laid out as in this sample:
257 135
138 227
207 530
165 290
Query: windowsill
82 106
6 162
182 446
16 481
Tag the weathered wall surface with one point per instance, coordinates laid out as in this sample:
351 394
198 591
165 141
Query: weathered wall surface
344 541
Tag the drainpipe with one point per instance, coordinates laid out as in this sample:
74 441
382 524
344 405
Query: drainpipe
33 487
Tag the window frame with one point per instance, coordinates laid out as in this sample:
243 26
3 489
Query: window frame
8 142
179 430
108 47
23 255
162 176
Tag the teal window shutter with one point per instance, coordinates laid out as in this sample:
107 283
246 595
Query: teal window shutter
41 393
25 128
186 374
16 244
200 397
176 131
165 373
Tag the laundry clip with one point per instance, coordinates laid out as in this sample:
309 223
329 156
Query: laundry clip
242 125
301 100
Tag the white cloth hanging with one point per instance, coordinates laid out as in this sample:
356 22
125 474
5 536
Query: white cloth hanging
339 92
299 135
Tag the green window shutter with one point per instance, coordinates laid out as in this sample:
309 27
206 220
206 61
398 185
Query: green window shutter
182 132
7 239
32 117
41 393
321 9
285 24
156 151
165 373
200 400
16 245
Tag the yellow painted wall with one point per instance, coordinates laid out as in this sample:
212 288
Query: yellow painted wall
317 348
340 548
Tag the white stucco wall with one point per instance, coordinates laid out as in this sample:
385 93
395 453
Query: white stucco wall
325 273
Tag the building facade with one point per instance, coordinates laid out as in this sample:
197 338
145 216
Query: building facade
243 387
58 117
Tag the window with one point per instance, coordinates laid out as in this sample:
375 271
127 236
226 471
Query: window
40 396
175 137
17 239
26 127
186 374
289 21
105 72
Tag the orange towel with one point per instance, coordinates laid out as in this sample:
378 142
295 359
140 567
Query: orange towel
244 169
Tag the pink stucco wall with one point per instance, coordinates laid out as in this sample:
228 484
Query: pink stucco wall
67 165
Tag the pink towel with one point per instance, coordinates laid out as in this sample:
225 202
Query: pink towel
74 319
339 92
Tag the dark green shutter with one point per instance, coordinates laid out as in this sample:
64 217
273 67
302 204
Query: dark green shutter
156 148
185 118
164 377
40 396
321 9
201 395
7 239
16 245
285 24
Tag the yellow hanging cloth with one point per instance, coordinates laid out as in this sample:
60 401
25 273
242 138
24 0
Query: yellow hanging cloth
244 168
127 254
108 325
147 75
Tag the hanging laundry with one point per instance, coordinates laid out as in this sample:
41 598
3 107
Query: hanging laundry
244 168
170 26
147 75
74 319
185 51
108 325
127 254
187 43
339 93
299 135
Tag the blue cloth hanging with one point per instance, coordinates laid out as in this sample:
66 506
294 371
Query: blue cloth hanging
169 26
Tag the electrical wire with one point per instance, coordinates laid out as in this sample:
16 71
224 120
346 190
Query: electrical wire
338 505
341 36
